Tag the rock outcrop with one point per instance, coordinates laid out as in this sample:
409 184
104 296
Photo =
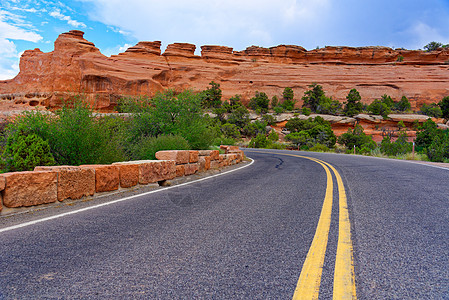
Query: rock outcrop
76 67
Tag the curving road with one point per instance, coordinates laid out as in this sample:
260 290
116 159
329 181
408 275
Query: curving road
243 235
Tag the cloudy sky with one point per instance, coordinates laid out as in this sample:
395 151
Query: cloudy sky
114 25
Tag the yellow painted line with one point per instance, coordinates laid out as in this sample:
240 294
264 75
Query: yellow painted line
308 286
344 275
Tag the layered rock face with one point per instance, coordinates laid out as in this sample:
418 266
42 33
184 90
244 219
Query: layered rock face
76 66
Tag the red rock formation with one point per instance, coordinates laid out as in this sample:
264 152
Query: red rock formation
76 66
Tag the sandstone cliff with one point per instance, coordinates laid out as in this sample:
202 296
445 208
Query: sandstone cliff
77 66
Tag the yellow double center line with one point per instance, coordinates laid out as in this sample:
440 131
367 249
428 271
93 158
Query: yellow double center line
308 286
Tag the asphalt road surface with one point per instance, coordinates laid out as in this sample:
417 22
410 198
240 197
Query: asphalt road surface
242 235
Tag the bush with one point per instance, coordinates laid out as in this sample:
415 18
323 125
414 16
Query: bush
211 97
353 104
377 107
273 136
25 153
444 106
278 110
402 105
319 148
306 111
432 110
147 147
425 135
132 104
260 141
432 46
78 137
398 147
316 100
259 102
288 103
312 131
274 102
357 137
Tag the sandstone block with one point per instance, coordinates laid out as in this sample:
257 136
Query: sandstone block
2 183
107 177
191 168
215 164
228 149
194 156
156 170
73 182
129 174
30 188
180 170
212 153
204 163
179 156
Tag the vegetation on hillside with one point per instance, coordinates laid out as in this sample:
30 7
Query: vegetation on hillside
75 135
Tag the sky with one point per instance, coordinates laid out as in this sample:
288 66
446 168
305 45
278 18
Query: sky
115 25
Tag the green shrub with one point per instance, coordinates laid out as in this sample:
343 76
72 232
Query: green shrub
306 111
288 103
269 119
301 139
353 104
230 131
432 110
378 107
133 104
402 105
211 97
316 100
26 152
273 136
259 102
357 137
278 110
260 141
147 147
274 102
398 147
444 105
319 148
240 117
78 137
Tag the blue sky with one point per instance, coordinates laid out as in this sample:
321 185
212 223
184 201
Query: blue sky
114 25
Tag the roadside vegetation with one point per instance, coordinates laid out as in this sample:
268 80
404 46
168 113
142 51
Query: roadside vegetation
75 134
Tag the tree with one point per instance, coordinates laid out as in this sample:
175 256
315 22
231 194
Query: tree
260 101
289 102
357 138
432 110
274 102
402 105
353 105
378 107
444 105
211 97
432 46
313 97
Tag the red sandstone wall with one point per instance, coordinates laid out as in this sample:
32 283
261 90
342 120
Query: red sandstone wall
77 66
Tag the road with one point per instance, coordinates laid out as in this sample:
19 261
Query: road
243 235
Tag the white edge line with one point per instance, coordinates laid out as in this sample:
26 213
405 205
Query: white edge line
118 200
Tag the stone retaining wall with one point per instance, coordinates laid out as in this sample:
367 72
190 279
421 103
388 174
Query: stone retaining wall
57 183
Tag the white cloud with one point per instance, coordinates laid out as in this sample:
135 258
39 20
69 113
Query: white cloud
58 15
9 64
423 33
233 23
124 48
